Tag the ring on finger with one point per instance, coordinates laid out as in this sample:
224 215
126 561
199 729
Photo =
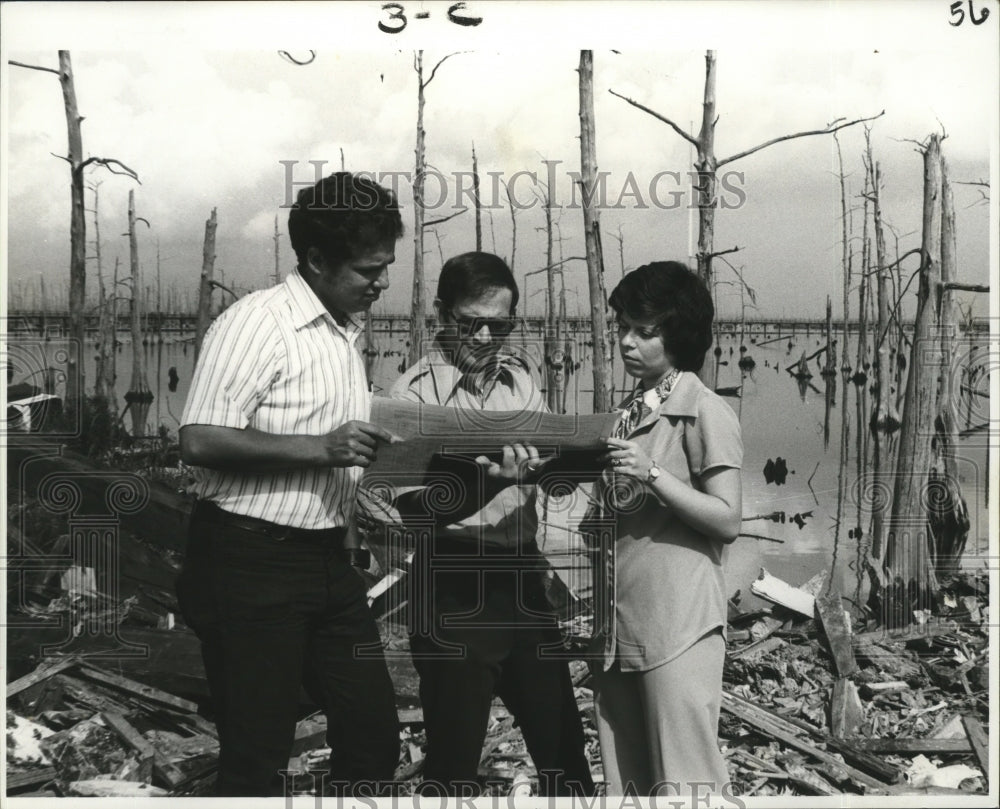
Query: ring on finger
617 462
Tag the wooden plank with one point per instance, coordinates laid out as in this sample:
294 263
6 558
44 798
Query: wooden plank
830 608
773 725
757 648
47 669
29 778
979 742
141 691
931 629
781 592
164 769
911 746
147 752
846 710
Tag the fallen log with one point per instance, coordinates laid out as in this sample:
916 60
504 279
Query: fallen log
911 746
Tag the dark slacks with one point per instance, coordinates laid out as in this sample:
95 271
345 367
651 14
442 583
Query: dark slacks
273 616
487 631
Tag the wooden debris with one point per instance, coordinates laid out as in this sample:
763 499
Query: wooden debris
846 711
780 592
146 693
909 747
49 668
18 780
146 752
773 726
106 788
838 632
978 740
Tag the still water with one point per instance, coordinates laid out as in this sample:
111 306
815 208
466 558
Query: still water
782 419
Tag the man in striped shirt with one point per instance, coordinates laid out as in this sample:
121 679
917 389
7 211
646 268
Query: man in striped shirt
275 428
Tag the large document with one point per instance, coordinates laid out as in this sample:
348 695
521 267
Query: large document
435 438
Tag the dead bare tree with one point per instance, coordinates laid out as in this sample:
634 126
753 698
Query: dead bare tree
910 582
603 383
138 396
513 226
708 164
418 323
277 251
949 515
105 361
75 381
205 287
478 201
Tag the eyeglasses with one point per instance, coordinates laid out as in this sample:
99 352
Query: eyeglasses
498 326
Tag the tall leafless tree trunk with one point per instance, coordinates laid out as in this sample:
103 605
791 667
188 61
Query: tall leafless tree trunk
277 254
418 323
104 382
949 515
603 383
908 553
138 395
205 287
885 419
75 381
478 201
707 166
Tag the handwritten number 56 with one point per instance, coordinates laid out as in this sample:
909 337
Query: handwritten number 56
959 12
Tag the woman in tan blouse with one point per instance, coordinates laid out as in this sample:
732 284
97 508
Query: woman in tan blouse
670 503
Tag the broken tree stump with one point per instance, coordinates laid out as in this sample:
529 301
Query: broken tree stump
831 613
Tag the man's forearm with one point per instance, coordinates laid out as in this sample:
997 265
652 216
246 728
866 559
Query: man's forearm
248 450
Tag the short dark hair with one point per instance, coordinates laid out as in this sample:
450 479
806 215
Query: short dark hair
677 300
469 275
341 215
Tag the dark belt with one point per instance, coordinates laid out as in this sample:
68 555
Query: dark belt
208 511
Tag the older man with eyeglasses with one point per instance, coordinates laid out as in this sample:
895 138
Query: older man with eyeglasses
480 623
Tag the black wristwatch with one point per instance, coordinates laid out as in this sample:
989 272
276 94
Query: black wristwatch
359 557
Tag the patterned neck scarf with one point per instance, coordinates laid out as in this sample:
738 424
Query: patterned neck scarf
641 404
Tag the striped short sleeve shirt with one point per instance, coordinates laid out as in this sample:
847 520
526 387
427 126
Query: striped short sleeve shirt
278 362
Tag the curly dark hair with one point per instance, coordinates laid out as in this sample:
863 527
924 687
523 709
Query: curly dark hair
677 300
468 275
341 215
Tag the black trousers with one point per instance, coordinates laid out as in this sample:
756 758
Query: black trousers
274 615
483 628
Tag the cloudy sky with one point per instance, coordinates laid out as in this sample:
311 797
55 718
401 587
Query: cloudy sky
197 100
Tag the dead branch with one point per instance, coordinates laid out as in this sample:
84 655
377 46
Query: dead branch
106 162
444 218
828 131
725 252
35 67
966 287
688 137
219 285
441 62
